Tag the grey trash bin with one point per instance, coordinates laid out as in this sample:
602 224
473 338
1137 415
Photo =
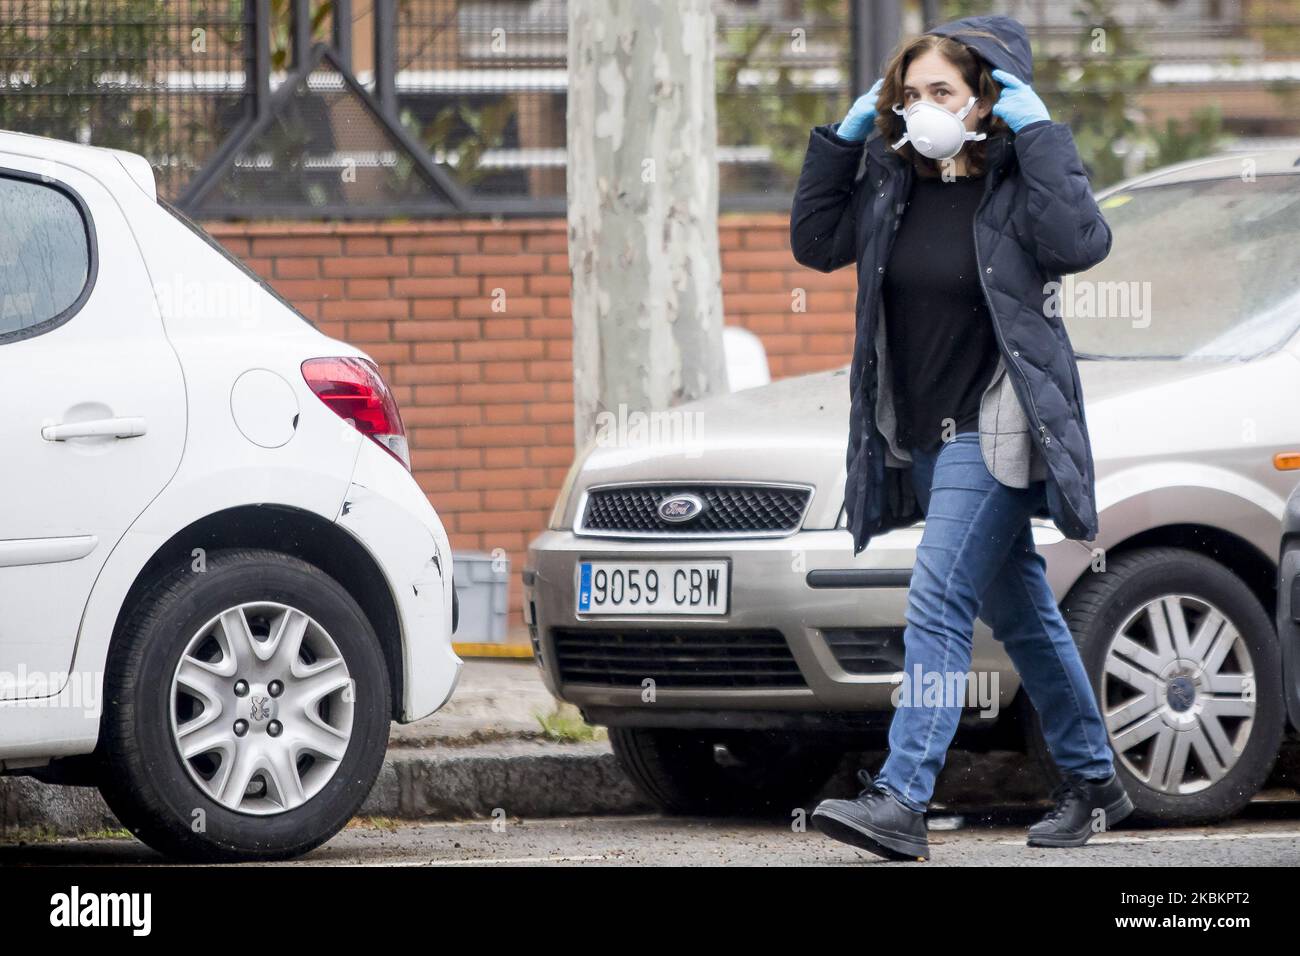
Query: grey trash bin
482 592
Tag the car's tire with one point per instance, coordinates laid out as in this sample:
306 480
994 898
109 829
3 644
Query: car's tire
337 697
1119 599
718 773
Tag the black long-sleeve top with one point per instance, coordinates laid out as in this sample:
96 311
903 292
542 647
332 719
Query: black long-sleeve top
942 349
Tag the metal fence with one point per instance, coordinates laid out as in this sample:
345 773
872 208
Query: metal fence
426 107
483 87
158 77
484 84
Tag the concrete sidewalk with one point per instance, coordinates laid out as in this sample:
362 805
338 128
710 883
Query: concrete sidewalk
496 699
502 746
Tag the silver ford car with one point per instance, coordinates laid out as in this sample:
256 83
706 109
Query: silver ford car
696 590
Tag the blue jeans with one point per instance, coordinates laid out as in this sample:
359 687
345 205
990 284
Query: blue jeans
977 556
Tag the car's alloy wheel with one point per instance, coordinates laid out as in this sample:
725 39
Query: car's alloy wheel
262 708
1178 694
247 709
1184 662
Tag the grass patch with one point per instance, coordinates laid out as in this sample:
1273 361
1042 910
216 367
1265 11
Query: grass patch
27 836
387 824
22 836
108 833
565 725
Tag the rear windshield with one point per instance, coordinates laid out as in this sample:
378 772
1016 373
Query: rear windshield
1200 270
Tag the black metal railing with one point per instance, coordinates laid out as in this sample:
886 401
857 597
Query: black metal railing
160 77
327 108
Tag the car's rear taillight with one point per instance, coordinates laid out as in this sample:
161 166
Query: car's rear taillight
355 391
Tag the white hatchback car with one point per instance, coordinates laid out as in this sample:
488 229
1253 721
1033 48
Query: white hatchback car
219 580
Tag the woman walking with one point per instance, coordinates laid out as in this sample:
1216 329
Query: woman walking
966 406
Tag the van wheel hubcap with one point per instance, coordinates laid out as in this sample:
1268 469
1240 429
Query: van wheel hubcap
1178 694
261 708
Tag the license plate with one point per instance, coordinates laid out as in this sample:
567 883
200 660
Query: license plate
653 587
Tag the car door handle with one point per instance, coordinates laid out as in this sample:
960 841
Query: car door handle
98 428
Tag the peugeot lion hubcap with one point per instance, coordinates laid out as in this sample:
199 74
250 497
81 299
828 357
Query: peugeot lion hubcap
261 708
1178 694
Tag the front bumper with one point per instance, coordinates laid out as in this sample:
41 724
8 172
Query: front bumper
825 629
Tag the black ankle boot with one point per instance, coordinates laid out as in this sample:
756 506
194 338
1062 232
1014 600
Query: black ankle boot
877 822
1075 817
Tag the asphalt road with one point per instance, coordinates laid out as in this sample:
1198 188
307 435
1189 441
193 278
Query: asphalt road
1266 835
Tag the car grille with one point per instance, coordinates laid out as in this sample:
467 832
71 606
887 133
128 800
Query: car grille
867 650
729 509
625 657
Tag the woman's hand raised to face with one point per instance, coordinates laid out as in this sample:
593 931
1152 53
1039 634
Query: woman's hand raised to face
855 125
1018 105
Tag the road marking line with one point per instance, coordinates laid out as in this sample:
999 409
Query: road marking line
480 861
1173 838
533 821
515 859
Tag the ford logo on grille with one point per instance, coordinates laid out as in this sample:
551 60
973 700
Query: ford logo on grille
680 508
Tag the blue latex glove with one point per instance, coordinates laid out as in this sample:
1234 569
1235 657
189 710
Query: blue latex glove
1018 105
862 113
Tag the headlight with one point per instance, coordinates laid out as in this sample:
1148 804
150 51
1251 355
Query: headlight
556 521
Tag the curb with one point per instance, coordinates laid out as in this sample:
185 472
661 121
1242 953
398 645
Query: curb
31 808
521 779
518 779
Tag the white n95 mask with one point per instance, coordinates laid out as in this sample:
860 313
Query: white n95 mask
933 131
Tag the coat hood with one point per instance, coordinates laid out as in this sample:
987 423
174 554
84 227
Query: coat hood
1009 51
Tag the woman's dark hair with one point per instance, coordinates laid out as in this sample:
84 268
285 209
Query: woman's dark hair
974 71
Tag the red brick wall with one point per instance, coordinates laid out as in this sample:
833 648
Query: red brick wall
487 395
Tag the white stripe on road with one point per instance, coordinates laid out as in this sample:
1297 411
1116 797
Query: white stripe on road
534 821
515 859
478 861
1170 838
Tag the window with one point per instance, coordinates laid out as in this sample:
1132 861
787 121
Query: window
1201 270
45 257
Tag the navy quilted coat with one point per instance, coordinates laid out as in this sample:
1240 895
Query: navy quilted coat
1036 221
